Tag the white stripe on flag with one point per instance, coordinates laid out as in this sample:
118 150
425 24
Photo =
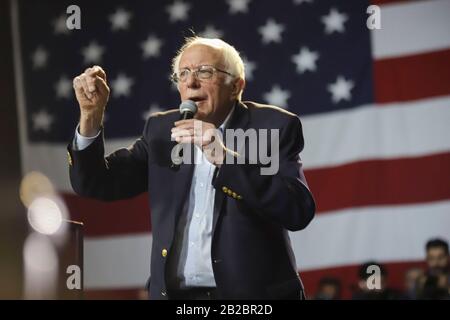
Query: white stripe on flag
385 233
412 27
122 261
377 132
386 132
345 237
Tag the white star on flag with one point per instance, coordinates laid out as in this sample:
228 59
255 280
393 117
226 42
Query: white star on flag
39 58
151 46
63 87
277 96
121 85
153 108
59 25
305 60
271 31
334 21
340 90
42 120
178 11
120 20
92 53
250 67
237 6
211 32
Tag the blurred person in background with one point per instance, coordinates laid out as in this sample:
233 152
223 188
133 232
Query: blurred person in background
329 289
438 258
412 281
435 284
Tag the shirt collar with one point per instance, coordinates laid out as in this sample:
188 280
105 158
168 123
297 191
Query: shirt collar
227 119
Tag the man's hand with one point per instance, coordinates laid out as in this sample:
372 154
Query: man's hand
92 93
204 135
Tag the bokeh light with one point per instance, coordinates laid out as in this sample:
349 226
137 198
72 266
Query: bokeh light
35 184
41 267
45 215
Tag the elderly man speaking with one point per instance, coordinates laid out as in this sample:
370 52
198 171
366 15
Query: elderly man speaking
219 224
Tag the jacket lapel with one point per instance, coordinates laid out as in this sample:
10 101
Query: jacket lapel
182 187
239 120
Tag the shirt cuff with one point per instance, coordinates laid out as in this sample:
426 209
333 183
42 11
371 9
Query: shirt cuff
81 142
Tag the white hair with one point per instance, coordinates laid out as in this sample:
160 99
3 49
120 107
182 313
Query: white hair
231 58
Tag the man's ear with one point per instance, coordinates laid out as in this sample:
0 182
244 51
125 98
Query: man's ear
238 85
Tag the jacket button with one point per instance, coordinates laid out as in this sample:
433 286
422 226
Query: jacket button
163 293
164 253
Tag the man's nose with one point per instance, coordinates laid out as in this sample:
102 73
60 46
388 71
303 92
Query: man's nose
192 81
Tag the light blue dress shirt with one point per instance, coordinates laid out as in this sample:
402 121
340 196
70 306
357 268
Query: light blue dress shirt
194 232
194 265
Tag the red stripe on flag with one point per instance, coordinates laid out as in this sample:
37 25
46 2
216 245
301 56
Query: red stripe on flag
348 276
364 183
381 182
110 218
413 77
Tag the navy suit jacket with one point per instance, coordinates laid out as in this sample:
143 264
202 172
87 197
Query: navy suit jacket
251 252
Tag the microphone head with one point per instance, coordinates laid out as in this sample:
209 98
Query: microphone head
188 106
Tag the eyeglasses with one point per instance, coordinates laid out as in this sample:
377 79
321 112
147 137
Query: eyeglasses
201 73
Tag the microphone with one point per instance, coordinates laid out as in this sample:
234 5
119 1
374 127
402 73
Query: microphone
188 109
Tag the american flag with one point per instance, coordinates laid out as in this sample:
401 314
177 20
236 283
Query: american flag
375 107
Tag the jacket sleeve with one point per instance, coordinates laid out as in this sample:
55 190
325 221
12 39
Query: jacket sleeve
122 174
283 197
